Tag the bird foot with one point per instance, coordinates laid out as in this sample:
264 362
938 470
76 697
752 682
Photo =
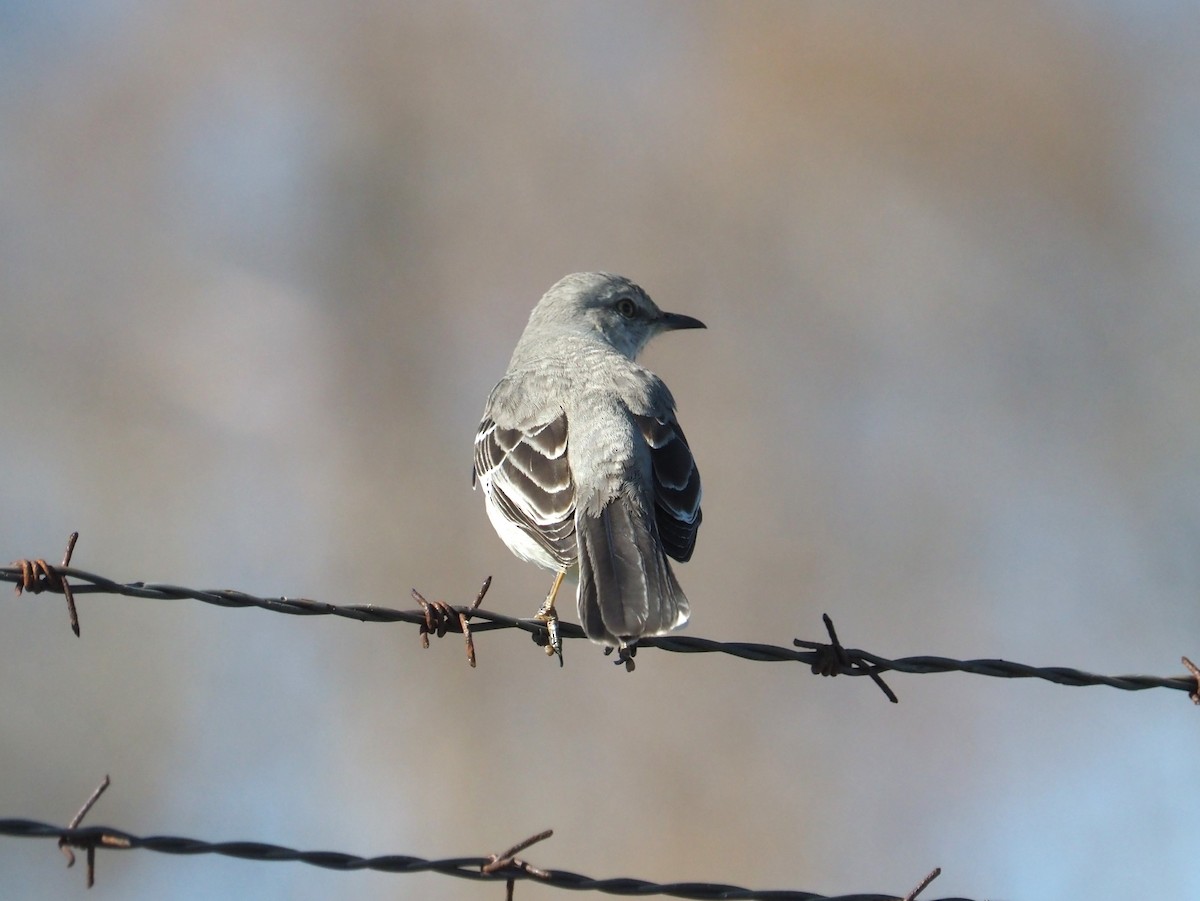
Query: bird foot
548 615
625 654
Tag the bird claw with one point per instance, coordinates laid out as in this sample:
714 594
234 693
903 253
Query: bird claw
626 651
553 643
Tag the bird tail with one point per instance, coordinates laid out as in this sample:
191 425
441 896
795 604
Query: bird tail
627 589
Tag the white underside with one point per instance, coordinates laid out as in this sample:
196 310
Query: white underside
518 541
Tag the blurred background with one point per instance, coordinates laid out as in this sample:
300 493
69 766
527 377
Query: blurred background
261 263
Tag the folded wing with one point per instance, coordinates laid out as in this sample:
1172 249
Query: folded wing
525 471
676 485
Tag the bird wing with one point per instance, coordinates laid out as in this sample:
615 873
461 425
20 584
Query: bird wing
676 485
525 471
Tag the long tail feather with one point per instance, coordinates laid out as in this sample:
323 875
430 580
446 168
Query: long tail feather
627 589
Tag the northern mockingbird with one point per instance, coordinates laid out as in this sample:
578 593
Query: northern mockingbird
583 466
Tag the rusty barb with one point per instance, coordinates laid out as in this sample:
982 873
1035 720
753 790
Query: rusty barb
1195 671
509 861
38 576
923 884
90 844
832 659
441 618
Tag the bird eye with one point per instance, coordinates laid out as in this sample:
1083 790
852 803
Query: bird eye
626 308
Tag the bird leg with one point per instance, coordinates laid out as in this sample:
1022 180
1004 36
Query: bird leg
548 615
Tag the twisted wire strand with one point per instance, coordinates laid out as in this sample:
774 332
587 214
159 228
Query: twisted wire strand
860 663
462 867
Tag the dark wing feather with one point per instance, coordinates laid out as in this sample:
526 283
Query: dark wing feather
527 473
676 485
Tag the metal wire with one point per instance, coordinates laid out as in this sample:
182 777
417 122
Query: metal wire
462 867
851 662
438 617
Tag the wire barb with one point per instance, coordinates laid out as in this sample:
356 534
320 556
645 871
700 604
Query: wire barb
440 618
832 659
1195 671
38 576
509 861
923 884
89 844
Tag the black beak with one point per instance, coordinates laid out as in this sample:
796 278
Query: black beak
672 321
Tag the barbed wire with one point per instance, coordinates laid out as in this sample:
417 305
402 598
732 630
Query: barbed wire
505 868
438 617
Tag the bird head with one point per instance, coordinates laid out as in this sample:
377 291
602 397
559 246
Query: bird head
611 308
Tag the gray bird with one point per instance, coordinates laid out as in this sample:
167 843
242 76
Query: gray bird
583 466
